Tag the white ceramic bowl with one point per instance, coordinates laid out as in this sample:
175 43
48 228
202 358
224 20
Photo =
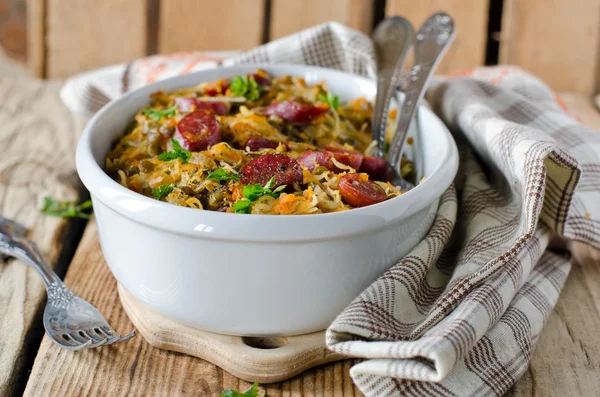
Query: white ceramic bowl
254 275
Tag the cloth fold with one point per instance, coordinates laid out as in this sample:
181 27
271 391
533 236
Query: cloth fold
461 314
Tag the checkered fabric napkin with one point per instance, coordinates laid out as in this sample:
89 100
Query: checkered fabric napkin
461 314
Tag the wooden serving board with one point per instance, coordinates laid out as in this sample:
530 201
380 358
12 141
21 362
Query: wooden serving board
253 359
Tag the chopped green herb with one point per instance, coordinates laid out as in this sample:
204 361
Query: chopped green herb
245 86
177 153
158 114
65 209
254 192
242 206
251 392
332 100
222 175
161 191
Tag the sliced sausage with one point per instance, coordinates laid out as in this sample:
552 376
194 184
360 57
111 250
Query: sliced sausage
295 112
261 80
359 191
345 156
311 159
197 131
338 149
354 160
285 169
186 104
375 167
217 88
255 144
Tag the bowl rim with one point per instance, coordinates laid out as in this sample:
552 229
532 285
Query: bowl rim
250 227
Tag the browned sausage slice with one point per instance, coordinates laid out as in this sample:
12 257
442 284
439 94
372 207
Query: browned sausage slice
285 169
295 112
311 159
358 191
255 144
375 167
354 160
186 104
197 131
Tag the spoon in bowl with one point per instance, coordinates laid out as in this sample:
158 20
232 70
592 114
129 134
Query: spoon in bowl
392 40
432 40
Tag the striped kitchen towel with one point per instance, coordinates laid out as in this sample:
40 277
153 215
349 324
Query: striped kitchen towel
461 314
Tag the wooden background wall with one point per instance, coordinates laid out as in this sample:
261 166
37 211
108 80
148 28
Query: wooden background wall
556 39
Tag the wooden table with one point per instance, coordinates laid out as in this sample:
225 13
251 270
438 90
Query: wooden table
38 137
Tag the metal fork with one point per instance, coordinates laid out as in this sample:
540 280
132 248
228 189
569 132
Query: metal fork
71 322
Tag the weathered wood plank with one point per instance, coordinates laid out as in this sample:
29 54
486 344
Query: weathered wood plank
38 137
87 34
135 367
566 361
207 25
555 39
290 16
13 28
36 56
468 49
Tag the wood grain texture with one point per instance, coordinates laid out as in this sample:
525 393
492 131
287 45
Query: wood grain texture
471 19
208 25
87 34
566 361
36 31
13 28
37 137
291 16
557 40
262 360
137 368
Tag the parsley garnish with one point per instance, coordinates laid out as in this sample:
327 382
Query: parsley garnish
254 192
332 100
251 392
242 206
161 191
65 209
222 175
158 114
245 86
177 153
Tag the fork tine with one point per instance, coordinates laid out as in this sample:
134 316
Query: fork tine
107 330
115 337
78 338
112 336
96 341
128 336
82 346
68 342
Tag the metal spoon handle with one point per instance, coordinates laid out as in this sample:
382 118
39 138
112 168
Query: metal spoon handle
392 39
433 39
